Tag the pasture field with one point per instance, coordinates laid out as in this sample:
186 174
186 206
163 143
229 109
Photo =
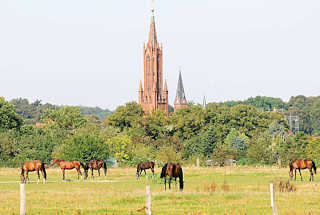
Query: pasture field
227 191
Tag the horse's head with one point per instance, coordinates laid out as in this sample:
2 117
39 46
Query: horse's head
54 160
138 171
291 172
85 174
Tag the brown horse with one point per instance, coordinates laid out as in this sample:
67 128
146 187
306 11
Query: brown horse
302 164
172 170
67 165
94 164
143 166
31 166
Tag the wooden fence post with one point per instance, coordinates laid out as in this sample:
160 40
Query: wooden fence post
198 163
273 200
22 199
148 200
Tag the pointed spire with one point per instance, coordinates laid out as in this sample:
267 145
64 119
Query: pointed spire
180 96
140 86
204 102
152 9
152 32
165 86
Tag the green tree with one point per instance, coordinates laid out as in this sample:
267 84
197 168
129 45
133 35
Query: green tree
125 117
155 124
83 146
119 147
67 118
210 139
187 122
260 151
9 119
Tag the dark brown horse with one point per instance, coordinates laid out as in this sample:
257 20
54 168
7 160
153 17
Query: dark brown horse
31 166
94 164
143 166
173 171
67 165
302 164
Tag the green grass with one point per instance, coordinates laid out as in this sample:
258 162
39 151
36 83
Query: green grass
236 190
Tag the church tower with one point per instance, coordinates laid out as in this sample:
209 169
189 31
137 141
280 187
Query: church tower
153 94
180 100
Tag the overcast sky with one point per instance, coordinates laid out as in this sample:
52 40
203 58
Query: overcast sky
89 52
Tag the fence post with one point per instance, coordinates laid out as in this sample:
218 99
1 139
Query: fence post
273 200
198 163
22 199
148 200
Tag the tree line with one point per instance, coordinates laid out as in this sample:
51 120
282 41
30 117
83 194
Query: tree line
220 131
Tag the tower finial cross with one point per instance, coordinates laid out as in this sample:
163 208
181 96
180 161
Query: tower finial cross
152 9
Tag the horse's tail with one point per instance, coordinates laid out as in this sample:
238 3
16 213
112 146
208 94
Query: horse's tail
163 171
181 179
314 167
105 168
44 171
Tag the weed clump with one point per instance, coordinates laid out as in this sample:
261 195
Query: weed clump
286 187
210 188
225 187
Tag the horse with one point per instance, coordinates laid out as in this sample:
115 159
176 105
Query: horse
94 164
143 166
172 170
31 166
67 165
302 164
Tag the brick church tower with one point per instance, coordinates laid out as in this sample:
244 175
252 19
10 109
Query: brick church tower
154 94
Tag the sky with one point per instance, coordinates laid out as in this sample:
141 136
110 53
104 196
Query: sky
90 52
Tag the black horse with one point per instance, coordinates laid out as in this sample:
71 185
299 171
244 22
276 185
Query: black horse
94 165
172 170
143 166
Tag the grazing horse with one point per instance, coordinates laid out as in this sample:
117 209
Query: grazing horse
94 164
172 170
143 166
302 164
31 166
67 165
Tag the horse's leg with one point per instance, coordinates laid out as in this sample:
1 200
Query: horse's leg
43 172
295 174
63 174
311 175
27 176
80 172
92 177
152 171
170 178
145 172
38 176
165 183
300 174
175 183
99 172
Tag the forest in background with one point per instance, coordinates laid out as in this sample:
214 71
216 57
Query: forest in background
248 131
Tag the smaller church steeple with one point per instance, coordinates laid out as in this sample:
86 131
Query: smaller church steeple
180 100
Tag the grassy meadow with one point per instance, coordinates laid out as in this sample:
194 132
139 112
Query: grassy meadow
229 190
